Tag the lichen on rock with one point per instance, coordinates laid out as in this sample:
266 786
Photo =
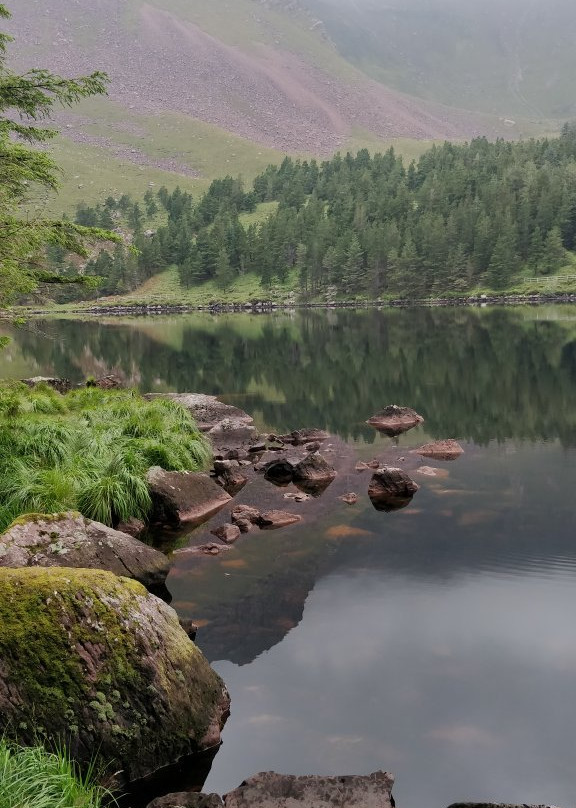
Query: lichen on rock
93 660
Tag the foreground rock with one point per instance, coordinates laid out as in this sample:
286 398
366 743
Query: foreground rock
393 420
441 450
391 489
183 497
271 520
71 540
271 790
95 659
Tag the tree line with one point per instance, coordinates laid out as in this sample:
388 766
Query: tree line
463 216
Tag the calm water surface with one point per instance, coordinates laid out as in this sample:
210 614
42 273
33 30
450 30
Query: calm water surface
437 642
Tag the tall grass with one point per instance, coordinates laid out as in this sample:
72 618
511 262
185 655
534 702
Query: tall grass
89 450
31 777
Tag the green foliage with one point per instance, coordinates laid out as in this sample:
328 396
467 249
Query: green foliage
89 451
32 776
26 100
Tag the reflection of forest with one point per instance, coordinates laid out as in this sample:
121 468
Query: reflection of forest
473 374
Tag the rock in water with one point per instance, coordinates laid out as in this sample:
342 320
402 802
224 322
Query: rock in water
441 450
393 420
93 659
391 489
271 790
271 520
71 540
183 497
313 474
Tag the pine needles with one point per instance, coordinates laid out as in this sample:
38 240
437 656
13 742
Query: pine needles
89 451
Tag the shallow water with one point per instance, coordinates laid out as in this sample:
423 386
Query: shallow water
437 642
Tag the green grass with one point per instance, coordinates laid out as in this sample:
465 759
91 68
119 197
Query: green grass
89 451
31 777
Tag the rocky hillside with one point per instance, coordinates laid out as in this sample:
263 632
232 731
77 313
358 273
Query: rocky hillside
263 70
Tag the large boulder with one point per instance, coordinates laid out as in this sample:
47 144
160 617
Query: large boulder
94 660
313 474
391 489
232 434
71 540
393 420
271 790
183 497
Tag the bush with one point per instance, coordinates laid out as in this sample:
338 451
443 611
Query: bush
89 450
31 776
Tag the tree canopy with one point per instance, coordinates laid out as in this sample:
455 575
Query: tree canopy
26 100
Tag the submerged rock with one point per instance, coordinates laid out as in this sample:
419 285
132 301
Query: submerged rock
71 540
183 497
391 489
301 436
271 790
441 450
94 659
227 533
280 472
270 520
393 420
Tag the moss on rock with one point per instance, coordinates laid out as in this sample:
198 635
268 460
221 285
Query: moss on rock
94 660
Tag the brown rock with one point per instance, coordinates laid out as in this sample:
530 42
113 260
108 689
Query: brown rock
232 433
183 497
226 533
349 499
301 436
313 470
270 520
229 476
60 385
391 489
133 527
360 466
393 420
441 450
430 471
71 540
279 472
271 790
244 525
245 512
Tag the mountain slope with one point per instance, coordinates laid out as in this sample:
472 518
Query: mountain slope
507 57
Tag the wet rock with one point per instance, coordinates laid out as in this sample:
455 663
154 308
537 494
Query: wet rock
189 627
313 473
242 512
207 411
71 540
60 385
210 548
229 476
373 464
187 799
133 527
302 436
391 489
271 520
257 448
430 471
393 420
297 497
244 525
227 533
271 790
360 466
95 659
279 472
441 450
183 497
232 433
313 447
349 499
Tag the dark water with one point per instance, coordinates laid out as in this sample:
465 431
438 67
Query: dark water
438 642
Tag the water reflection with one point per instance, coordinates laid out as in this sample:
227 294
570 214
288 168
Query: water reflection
436 641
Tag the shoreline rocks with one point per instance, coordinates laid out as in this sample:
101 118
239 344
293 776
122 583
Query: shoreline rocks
391 489
70 540
183 497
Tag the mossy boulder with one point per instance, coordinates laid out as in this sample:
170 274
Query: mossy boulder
92 660
71 540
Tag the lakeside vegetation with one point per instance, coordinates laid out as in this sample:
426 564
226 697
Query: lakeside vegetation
33 776
89 450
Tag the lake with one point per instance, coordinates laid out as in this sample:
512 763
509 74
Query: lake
437 642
